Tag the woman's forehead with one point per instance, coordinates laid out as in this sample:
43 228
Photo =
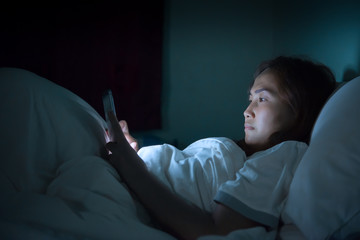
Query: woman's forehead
266 81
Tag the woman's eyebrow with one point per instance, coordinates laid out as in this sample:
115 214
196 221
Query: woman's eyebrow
261 90
271 91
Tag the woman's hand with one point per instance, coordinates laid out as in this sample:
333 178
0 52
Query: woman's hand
123 148
131 140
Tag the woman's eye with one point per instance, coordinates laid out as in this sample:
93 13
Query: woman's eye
262 99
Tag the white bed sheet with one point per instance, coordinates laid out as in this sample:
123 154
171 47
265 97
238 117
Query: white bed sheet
55 183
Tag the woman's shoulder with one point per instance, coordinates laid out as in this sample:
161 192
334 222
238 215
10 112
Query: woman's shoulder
287 152
291 144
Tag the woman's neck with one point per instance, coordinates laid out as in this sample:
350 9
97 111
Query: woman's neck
251 149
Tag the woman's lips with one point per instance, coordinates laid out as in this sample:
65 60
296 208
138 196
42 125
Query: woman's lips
248 127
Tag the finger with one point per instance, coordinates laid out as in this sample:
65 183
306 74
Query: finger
135 146
124 126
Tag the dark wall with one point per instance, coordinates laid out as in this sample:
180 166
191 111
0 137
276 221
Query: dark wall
90 46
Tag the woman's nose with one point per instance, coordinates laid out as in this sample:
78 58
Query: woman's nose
249 113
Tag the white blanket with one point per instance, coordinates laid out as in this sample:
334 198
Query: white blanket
55 183
197 171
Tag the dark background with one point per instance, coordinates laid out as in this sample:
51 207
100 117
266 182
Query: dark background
90 46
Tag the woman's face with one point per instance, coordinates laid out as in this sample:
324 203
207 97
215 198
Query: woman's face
267 112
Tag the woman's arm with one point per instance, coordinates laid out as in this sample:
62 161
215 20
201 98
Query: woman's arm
180 218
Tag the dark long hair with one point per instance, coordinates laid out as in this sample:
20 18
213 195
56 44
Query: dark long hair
304 86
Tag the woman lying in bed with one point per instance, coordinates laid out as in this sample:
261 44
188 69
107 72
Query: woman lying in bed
286 97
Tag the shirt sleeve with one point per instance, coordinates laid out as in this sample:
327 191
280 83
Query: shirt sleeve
261 187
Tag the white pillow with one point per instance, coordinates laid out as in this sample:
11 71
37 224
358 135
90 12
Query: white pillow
324 196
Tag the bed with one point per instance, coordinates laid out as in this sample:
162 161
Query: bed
55 183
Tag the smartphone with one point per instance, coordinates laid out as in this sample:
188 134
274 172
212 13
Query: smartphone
108 102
